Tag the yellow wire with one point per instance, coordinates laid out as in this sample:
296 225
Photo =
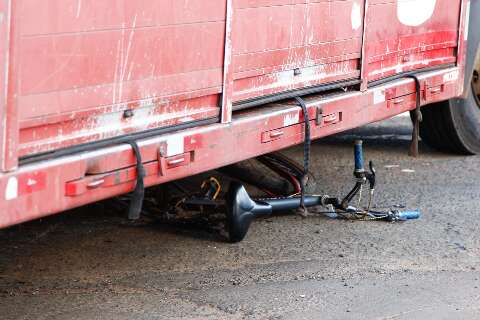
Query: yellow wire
217 184
219 187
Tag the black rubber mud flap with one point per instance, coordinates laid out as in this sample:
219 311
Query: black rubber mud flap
138 195
417 117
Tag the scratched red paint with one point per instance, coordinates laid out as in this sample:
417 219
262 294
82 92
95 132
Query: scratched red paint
74 66
79 68
31 183
392 47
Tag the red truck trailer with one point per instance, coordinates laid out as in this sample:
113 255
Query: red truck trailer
199 84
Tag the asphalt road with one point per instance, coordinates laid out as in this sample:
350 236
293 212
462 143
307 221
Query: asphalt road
86 265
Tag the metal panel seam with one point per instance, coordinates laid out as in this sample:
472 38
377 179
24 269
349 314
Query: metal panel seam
226 105
5 33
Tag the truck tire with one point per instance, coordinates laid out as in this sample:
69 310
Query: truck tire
454 125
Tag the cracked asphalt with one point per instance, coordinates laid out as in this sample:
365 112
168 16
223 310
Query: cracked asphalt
86 264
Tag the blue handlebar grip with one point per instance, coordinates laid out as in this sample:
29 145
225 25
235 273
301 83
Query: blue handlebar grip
408 215
359 163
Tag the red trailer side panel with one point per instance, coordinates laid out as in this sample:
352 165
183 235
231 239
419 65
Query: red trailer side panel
83 63
280 45
405 35
87 70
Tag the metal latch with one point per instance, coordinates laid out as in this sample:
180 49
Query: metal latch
168 163
326 119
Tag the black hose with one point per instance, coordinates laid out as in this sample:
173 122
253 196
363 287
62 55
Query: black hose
255 102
